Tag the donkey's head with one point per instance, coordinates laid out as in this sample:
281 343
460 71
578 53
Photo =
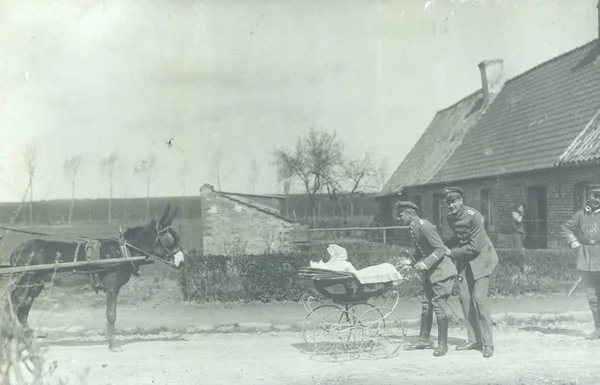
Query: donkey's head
166 244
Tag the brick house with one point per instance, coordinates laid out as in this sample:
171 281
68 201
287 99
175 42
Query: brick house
532 139
244 224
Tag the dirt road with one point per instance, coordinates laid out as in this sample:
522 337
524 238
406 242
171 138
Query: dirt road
523 356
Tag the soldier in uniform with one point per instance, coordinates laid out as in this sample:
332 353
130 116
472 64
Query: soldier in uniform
475 258
438 274
582 232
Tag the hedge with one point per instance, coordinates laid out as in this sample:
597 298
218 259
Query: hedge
274 277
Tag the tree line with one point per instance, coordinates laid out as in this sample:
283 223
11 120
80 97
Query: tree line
318 165
109 167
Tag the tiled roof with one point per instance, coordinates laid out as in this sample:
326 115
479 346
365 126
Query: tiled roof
586 146
542 118
250 202
243 199
437 143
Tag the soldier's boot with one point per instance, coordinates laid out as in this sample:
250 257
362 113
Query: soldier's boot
596 333
442 347
469 346
488 351
424 333
593 335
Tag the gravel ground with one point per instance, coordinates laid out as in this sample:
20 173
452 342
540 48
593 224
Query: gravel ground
556 354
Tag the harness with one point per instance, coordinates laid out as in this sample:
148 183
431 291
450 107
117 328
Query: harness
92 245
124 246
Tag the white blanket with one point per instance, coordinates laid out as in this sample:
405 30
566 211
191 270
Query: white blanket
334 265
384 272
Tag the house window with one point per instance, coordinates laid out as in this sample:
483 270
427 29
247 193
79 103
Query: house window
580 195
437 210
416 199
487 208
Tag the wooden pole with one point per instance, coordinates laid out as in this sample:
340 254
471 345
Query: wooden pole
68 265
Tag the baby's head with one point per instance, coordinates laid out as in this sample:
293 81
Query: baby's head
337 253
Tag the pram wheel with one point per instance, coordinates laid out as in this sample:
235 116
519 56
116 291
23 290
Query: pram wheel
351 325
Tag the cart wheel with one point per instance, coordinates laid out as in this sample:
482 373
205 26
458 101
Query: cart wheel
315 316
307 300
355 316
328 335
383 332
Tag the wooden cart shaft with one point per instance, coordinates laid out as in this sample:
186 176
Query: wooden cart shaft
70 265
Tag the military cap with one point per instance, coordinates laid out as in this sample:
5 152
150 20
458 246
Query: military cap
452 193
403 205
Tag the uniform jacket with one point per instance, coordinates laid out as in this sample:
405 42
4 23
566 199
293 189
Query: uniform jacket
430 250
584 227
470 244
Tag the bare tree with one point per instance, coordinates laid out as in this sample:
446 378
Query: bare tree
254 173
381 174
148 172
217 167
183 175
287 184
353 177
71 168
108 168
31 165
319 162
313 161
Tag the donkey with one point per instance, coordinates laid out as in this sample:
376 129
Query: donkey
157 239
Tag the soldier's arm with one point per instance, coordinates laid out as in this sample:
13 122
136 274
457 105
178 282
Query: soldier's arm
453 240
475 243
436 243
569 228
416 256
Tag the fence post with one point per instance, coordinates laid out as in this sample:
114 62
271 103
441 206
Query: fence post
384 236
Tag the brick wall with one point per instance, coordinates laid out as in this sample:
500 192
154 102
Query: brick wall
231 227
561 194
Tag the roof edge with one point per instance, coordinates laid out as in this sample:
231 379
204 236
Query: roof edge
273 196
256 207
439 112
571 51
591 162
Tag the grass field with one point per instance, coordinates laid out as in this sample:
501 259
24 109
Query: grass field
360 212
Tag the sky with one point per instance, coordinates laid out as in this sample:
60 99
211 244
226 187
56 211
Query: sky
95 77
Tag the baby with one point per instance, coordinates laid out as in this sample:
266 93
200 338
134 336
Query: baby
338 260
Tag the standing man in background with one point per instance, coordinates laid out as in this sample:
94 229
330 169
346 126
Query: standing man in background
475 256
438 273
582 233
517 228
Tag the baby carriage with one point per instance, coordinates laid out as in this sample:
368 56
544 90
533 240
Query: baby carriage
349 323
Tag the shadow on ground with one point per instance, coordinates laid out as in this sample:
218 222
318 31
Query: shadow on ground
393 346
563 332
103 342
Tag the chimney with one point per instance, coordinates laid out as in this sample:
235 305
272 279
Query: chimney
207 189
492 79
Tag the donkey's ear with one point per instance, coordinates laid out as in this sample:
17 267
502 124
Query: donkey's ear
163 220
172 216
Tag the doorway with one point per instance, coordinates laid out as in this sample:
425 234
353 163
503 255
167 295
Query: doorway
536 218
